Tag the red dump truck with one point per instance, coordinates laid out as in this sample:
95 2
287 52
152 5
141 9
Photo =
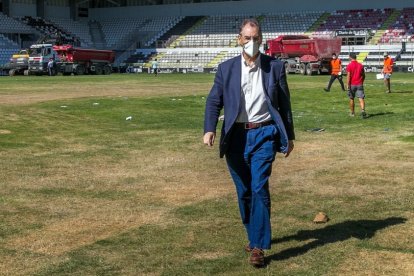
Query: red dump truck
84 61
69 60
305 55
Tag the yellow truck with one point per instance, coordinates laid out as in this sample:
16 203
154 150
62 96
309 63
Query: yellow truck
19 63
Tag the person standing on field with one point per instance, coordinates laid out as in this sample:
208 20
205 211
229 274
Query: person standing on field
154 66
387 71
51 67
336 72
253 90
355 81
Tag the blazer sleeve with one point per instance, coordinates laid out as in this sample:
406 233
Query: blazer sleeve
285 109
214 103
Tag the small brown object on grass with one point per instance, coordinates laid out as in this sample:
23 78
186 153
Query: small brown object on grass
321 217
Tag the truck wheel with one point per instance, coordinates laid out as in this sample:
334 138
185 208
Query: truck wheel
309 69
287 68
12 72
98 70
302 68
107 70
80 70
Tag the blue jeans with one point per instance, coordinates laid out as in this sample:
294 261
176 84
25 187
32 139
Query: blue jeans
249 158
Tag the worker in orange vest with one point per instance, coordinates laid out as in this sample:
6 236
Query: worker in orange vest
387 71
336 72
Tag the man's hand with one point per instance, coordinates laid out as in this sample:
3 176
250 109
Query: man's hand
209 138
291 146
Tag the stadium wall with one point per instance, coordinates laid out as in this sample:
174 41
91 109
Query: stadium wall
57 12
21 10
249 7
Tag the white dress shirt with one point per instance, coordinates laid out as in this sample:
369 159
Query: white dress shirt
253 106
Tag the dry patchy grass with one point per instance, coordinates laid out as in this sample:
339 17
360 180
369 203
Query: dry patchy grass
376 262
78 202
98 87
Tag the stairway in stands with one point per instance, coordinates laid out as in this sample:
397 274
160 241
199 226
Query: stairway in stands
172 36
362 56
179 29
50 30
97 35
217 59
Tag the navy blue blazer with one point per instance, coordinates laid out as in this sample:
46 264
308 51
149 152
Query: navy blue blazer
226 92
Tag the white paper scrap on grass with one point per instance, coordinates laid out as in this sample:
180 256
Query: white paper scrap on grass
129 118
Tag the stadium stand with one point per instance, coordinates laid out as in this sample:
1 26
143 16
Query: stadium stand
7 49
354 19
402 29
179 29
115 31
221 31
80 28
214 31
11 25
158 27
47 27
288 23
186 59
205 41
145 30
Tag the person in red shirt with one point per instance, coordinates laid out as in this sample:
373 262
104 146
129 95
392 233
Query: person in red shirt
336 73
387 71
355 81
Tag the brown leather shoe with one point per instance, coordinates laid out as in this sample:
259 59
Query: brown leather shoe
257 257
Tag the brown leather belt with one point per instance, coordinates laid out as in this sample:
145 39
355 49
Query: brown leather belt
254 125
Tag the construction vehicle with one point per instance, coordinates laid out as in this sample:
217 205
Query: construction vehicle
304 55
81 61
69 60
18 64
39 56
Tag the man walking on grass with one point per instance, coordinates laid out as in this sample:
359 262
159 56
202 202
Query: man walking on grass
355 81
336 73
254 93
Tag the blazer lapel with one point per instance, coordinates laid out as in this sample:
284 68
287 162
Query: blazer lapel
265 66
233 92
236 81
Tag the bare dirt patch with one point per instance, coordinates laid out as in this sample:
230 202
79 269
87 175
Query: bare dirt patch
377 263
5 131
28 95
97 221
210 255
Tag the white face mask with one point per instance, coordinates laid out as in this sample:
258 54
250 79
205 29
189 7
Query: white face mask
251 48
